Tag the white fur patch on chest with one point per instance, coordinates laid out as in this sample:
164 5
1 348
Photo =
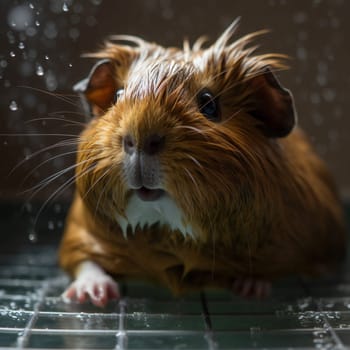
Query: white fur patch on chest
163 211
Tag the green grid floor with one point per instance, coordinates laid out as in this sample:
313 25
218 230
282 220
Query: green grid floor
298 315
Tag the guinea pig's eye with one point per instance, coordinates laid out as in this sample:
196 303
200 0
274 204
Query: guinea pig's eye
117 95
208 105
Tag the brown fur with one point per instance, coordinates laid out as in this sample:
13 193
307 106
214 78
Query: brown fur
260 206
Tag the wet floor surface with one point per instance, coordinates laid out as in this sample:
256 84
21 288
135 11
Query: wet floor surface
299 314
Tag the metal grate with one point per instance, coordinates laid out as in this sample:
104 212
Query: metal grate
299 314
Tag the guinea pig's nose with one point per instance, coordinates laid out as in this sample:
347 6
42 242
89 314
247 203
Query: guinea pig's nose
129 144
153 144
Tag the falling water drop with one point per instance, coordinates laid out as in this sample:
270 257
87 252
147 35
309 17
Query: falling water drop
3 63
32 237
21 45
39 70
51 225
12 54
13 106
65 7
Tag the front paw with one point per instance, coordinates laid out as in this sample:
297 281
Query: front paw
99 289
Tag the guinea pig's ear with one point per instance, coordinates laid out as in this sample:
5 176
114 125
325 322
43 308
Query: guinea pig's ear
274 105
99 87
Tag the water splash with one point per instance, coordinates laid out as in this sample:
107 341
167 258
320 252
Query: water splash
317 318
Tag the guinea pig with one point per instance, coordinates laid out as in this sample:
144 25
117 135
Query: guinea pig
192 173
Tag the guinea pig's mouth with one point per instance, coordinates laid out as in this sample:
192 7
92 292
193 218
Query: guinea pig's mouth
148 195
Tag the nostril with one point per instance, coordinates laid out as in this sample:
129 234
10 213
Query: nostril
153 144
129 144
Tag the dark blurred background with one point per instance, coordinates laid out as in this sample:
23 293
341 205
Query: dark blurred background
40 46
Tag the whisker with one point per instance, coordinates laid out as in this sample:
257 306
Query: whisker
192 128
102 193
231 117
37 134
68 142
96 182
213 262
46 161
44 183
60 97
195 161
70 181
72 122
192 179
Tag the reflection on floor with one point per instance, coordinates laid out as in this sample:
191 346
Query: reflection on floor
299 314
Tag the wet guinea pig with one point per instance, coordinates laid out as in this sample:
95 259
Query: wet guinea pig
192 174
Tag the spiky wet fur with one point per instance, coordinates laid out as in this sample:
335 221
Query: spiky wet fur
258 206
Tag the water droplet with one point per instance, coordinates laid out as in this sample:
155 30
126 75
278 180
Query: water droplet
65 7
31 6
51 81
91 21
28 207
74 33
33 237
70 65
57 208
12 54
13 106
37 23
329 94
20 17
21 45
315 98
31 31
301 53
46 57
39 70
3 63
50 30
11 37
322 79
50 225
